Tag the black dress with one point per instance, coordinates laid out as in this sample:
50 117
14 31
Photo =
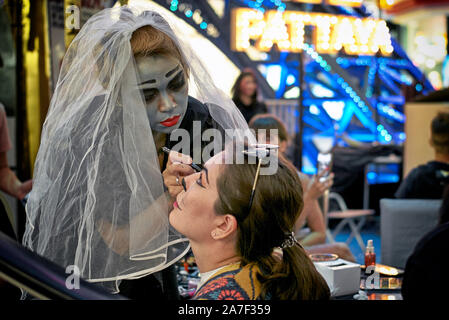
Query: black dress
250 111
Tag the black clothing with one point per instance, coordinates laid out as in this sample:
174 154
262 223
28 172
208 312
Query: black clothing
250 111
5 223
425 275
425 182
196 111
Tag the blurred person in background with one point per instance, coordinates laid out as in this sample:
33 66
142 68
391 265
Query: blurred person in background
312 215
9 183
428 181
425 275
245 95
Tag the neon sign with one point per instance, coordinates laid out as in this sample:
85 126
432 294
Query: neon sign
332 33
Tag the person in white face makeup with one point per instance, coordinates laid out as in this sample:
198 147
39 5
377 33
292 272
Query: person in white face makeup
99 203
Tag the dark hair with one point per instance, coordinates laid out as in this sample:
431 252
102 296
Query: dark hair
276 206
269 121
440 132
1 61
444 209
236 87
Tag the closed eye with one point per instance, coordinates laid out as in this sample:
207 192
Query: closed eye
199 182
150 94
177 82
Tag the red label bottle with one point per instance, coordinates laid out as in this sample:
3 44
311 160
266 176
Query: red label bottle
370 255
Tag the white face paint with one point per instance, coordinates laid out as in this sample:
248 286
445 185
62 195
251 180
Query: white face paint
164 87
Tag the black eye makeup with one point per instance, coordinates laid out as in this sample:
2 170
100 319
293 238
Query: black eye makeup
177 82
199 181
183 182
150 94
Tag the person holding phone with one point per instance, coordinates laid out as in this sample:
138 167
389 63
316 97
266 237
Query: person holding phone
314 188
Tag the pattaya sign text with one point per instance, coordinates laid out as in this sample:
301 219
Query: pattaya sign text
331 33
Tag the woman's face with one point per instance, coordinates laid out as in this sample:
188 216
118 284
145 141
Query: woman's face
248 86
164 87
193 213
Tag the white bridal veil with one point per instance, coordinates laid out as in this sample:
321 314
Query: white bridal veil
98 200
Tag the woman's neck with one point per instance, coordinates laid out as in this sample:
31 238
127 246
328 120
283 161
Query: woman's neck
246 100
209 258
440 157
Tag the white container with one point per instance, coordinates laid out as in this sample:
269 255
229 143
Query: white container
342 277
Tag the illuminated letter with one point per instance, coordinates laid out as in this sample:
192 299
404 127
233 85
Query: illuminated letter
363 31
349 3
381 38
295 23
323 23
246 24
343 36
275 33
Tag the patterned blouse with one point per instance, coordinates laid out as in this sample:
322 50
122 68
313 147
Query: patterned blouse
231 283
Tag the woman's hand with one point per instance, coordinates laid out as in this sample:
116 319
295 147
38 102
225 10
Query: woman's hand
177 168
317 188
23 189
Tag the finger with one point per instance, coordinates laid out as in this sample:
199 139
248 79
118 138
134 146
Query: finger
179 157
322 173
179 169
170 181
175 190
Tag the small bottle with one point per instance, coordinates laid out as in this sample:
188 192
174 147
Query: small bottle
370 255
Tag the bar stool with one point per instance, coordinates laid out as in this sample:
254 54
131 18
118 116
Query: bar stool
355 218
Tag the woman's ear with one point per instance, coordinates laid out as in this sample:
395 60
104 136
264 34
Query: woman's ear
226 227
283 146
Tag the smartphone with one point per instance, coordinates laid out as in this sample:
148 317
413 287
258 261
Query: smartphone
324 162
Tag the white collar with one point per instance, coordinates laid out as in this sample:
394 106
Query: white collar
206 275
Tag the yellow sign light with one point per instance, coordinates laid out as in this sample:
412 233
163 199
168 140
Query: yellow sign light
349 3
332 33
307 1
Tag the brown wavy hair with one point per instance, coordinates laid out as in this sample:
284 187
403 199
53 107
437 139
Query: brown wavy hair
149 41
276 206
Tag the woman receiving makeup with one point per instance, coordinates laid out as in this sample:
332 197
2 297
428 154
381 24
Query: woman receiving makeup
128 83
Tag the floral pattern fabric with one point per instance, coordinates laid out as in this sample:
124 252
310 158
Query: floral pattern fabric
231 283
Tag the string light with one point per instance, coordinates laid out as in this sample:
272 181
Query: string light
195 15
